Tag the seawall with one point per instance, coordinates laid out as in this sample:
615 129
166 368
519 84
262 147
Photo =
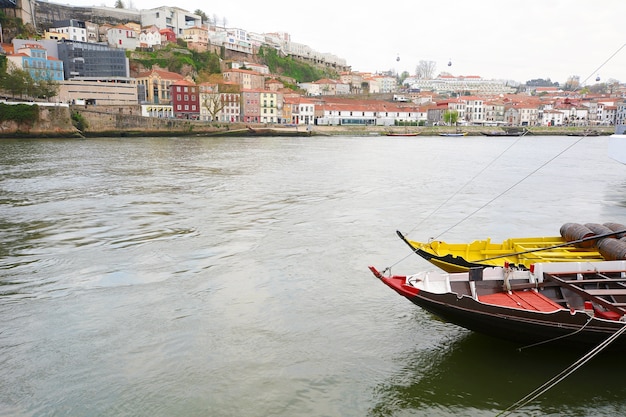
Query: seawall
56 121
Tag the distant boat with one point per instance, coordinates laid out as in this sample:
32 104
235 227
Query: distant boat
401 134
454 134
503 133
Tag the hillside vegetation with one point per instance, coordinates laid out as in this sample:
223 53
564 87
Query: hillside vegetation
200 65
290 67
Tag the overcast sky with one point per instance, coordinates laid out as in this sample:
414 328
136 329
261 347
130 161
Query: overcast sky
494 39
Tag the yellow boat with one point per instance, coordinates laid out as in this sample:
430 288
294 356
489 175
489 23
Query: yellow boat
520 252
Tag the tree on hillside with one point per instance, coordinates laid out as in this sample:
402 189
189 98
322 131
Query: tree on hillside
572 83
425 70
119 4
202 15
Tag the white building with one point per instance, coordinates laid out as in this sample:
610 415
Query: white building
122 37
173 18
75 30
150 37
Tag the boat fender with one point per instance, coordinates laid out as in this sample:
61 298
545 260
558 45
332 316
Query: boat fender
589 308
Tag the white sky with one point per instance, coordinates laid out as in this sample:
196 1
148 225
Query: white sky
494 39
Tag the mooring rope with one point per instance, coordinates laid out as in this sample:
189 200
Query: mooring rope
463 186
557 338
564 374
510 188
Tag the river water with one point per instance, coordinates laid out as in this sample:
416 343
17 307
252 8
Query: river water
228 276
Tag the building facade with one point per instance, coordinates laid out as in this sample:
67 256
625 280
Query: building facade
33 58
185 100
157 85
173 18
84 59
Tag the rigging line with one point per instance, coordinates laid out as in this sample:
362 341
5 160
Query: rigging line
508 189
557 338
464 185
603 64
563 374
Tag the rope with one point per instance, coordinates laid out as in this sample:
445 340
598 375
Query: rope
464 185
509 189
556 338
564 374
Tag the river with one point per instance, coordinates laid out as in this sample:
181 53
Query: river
228 276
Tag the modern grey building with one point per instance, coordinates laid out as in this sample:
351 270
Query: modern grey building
85 59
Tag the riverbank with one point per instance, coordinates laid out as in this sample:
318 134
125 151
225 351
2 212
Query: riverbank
115 121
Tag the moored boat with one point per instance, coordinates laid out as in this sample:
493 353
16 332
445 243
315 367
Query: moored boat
454 134
495 133
576 243
401 134
580 304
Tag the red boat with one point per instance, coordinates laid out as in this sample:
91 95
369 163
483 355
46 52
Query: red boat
579 304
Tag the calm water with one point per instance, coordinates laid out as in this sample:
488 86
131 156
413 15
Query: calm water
228 277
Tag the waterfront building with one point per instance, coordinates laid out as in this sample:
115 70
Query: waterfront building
157 85
620 118
269 105
157 110
84 59
251 106
112 91
185 100
34 59
220 102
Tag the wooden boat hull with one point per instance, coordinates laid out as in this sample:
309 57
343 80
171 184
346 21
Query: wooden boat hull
526 316
460 257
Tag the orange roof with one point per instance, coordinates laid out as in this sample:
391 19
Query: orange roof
167 75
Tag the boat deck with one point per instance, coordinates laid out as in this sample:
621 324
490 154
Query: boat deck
527 300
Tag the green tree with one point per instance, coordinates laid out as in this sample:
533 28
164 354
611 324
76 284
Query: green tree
17 82
119 4
451 117
202 15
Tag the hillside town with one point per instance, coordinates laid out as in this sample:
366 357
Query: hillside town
86 51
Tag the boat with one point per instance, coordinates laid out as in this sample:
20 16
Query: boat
280 131
454 134
401 134
578 304
577 242
496 133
